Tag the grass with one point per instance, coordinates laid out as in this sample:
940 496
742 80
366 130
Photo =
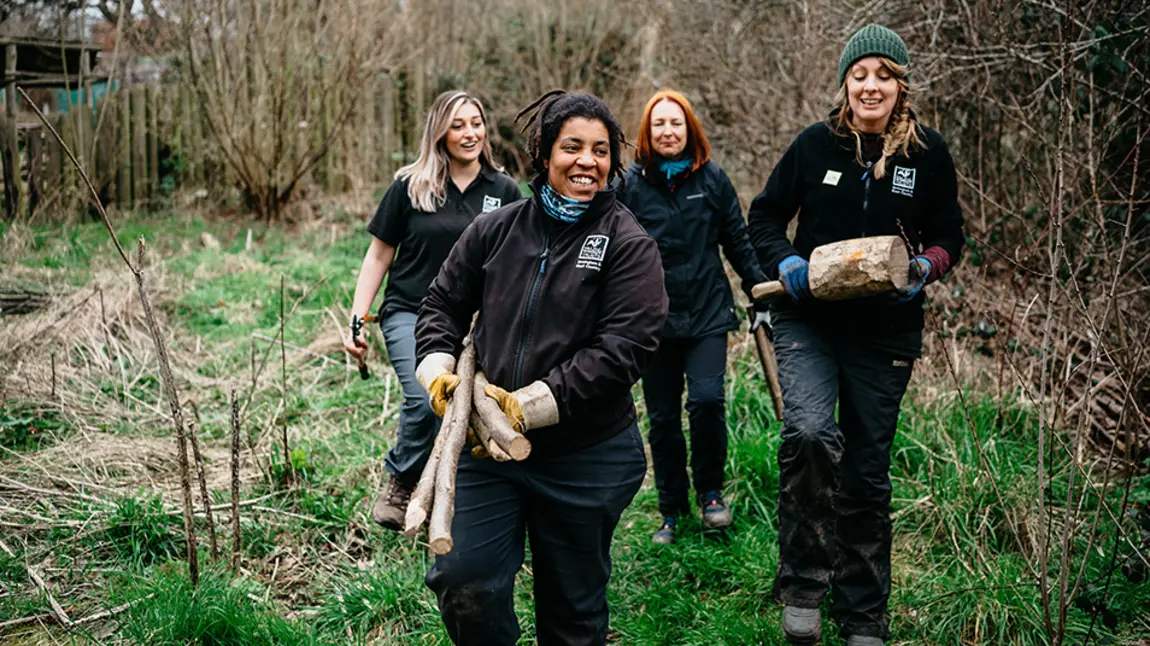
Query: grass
315 570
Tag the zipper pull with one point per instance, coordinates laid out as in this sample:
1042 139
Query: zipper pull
543 257
867 171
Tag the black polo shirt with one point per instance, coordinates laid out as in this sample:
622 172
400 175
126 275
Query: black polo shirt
423 240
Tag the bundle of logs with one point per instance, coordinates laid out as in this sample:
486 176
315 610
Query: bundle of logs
470 413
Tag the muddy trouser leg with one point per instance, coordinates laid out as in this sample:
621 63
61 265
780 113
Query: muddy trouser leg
808 464
574 503
706 366
418 424
474 583
872 384
663 395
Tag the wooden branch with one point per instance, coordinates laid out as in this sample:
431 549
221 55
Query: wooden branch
235 482
502 433
205 497
419 505
57 609
443 508
484 434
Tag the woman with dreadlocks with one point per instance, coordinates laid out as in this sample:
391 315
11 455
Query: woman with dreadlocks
569 290
870 169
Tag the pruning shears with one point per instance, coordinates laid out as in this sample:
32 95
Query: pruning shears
357 323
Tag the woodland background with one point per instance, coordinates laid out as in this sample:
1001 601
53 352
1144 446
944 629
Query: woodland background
248 142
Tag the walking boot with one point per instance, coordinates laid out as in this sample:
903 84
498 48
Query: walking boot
391 507
802 626
666 533
716 514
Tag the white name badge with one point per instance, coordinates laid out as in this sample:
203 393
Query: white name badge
832 178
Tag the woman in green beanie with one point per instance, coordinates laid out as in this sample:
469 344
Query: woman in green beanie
869 169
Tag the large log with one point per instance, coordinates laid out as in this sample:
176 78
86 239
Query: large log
502 433
852 269
443 505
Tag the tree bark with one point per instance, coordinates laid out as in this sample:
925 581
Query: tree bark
443 507
499 428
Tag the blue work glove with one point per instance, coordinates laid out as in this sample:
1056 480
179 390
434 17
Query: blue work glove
918 271
793 272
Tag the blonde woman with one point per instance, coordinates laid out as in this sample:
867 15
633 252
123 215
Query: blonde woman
421 216
870 169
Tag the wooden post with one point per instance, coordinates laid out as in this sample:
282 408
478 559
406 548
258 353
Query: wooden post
69 178
54 164
10 145
153 142
139 145
35 170
124 192
10 155
10 75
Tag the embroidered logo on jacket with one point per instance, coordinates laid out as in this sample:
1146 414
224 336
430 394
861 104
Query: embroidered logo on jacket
903 181
491 203
593 252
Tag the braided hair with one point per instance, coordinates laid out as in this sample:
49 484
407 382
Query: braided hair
902 131
547 114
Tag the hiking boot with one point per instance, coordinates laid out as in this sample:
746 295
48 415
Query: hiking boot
391 507
864 640
666 533
716 514
802 626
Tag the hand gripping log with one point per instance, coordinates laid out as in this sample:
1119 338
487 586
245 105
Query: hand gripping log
495 424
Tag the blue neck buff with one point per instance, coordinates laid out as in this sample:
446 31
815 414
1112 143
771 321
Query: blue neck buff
675 168
561 207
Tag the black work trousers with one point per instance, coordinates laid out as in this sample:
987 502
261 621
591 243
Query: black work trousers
834 477
703 362
567 506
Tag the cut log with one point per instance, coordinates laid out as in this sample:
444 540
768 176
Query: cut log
851 269
860 267
443 504
484 435
502 433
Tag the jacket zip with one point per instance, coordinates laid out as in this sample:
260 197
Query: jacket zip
866 198
529 315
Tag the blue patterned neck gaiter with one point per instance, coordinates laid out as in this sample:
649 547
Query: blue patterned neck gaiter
561 207
672 168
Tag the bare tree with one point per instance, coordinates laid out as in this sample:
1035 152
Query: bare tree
278 79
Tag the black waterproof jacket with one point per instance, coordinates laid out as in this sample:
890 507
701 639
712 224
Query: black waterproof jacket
578 306
820 180
691 219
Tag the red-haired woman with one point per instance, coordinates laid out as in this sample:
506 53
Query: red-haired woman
688 205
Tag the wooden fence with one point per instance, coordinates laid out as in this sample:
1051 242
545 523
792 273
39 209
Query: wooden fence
142 142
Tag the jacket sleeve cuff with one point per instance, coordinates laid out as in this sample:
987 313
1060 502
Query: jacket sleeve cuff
432 366
539 406
940 263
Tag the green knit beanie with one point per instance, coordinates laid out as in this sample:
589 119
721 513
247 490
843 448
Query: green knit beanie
872 40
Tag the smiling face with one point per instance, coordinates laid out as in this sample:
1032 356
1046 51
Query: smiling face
668 129
872 91
465 134
580 159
